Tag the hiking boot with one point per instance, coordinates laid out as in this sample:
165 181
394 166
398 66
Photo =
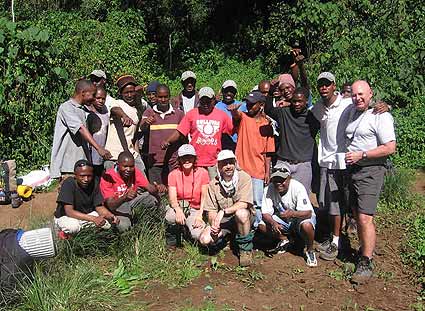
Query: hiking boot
245 258
310 259
15 200
364 271
330 253
322 247
281 247
352 227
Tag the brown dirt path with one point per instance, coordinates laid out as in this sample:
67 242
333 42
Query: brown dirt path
40 207
283 282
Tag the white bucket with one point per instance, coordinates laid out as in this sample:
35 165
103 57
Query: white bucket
38 243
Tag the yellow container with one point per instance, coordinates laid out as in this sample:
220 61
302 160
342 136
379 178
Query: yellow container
24 191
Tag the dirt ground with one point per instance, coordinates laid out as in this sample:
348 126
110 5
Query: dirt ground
283 282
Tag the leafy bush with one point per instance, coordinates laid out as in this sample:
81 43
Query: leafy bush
213 67
29 83
381 41
410 130
116 45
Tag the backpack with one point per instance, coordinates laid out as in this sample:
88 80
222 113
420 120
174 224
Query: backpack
15 263
7 180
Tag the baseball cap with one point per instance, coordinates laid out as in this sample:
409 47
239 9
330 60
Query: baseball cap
125 80
186 149
188 74
207 92
280 171
98 73
326 75
255 97
229 83
225 154
152 86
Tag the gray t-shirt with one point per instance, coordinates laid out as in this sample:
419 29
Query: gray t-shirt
68 145
366 131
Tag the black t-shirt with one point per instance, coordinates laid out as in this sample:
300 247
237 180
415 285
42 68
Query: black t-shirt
297 132
83 200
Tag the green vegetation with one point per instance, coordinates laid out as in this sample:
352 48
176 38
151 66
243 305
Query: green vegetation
55 42
96 270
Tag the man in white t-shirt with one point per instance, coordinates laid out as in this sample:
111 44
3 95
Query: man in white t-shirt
188 98
124 122
370 140
287 211
331 111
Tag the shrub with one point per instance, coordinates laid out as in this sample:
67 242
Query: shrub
29 83
381 41
410 129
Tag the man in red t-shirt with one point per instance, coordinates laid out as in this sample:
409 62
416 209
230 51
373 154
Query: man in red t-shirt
122 188
205 124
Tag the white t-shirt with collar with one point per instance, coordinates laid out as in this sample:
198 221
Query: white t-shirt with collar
333 121
366 131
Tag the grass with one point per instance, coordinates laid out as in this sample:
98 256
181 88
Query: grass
96 270
401 207
99 270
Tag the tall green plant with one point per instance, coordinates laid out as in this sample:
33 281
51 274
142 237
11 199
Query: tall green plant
29 85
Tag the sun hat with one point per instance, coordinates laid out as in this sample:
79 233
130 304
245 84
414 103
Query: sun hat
186 149
225 154
188 74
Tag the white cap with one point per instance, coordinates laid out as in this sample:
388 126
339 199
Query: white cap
206 91
98 73
186 149
38 243
225 154
229 83
188 74
326 75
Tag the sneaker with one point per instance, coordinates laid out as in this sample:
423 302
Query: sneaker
364 271
310 258
330 253
322 247
281 247
62 235
245 258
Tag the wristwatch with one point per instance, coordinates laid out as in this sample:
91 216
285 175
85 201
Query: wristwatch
364 155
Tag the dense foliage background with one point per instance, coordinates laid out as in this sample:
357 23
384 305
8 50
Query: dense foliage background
54 42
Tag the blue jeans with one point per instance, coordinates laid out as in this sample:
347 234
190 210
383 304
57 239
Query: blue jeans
257 191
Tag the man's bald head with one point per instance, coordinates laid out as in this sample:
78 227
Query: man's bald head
362 94
264 87
85 92
125 156
84 85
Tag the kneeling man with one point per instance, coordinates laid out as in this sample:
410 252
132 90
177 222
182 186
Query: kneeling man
123 188
229 206
287 211
80 202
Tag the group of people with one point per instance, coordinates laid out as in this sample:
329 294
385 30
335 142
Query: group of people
229 168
